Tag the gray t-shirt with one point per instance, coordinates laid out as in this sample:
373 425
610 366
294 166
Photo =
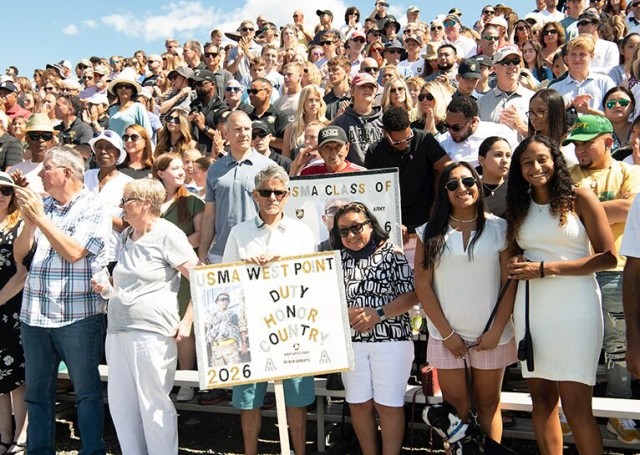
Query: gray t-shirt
146 280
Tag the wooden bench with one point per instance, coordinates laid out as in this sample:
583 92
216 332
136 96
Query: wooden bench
513 401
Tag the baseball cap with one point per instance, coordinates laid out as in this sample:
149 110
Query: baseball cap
358 34
452 17
363 79
498 21
8 85
112 138
100 69
183 71
483 60
393 44
332 133
504 52
98 98
413 9
203 75
587 127
590 15
469 69
262 126
320 12
415 38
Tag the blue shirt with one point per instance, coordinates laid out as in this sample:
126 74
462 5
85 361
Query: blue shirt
595 85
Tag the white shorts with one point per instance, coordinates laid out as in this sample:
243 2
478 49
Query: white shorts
382 371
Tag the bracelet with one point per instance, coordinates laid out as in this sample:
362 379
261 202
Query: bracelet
449 336
541 269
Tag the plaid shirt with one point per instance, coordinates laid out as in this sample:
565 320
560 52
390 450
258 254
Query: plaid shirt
57 292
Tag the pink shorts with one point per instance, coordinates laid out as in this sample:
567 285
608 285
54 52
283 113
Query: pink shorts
501 356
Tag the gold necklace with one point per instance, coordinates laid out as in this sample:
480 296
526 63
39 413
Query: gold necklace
463 221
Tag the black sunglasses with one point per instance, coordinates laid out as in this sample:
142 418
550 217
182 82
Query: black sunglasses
456 128
355 229
175 119
211 54
260 134
370 69
585 23
37 136
119 86
436 27
425 96
254 91
510 61
279 194
325 43
6 190
133 137
452 185
551 31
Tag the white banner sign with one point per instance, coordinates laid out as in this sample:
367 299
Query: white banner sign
282 320
315 198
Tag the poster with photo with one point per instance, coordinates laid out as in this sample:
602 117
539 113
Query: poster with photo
281 320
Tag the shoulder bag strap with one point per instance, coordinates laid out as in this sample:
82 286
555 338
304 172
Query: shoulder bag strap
503 291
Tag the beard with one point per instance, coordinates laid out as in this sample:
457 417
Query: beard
445 66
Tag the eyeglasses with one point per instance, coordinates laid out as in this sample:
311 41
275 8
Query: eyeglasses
124 200
355 229
510 61
172 119
279 194
595 1
370 69
6 190
396 89
491 38
51 168
35 136
433 28
376 49
456 128
612 103
406 140
232 89
224 299
358 40
449 23
318 54
521 28
115 61
452 185
551 31
539 114
247 29
254 91
585 23
211 54
121 86
259 134
87 78
82 67
331 211
425 96
488 11
393 51
326 43
132 137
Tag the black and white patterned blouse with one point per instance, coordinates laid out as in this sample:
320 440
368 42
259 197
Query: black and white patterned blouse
374 282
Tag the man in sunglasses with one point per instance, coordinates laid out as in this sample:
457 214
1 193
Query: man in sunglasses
615 184
241 55
40 138
419 158
261 138
204 108
508 102
233 97
9 97
263 237
212 61
606 54
466 47
260 97
355 50
154 66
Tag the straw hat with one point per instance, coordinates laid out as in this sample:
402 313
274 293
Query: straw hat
40 122
6 180
125 77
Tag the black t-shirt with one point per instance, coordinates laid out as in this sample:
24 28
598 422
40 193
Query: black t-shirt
495 198
276 119
417 186
333 104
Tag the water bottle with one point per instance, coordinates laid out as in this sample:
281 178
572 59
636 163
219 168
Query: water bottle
416 319
101 277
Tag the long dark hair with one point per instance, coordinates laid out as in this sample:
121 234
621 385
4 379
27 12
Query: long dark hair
434 235
356 207
561 187
557 116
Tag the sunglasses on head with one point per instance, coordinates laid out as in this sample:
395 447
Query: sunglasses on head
279 194
232 89
6 190
425 96
612 103
35 136
355 229
510 61
132 137
452 185
172 119
259 134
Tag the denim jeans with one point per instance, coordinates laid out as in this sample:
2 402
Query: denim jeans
80 346
614 342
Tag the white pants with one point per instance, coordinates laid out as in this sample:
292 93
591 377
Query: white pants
142 367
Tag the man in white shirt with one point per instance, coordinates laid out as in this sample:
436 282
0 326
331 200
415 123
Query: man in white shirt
633 18
551 13
414 61
606 54
466 47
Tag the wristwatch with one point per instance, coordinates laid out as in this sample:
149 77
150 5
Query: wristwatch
381 315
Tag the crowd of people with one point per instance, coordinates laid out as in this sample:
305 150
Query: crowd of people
517 141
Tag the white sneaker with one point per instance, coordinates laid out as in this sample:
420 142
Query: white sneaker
185 394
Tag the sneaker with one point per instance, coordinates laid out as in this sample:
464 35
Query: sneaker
185 394
624 429
564 425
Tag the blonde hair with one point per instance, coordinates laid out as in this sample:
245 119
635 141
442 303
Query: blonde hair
385 102
299 124
442 98
585 42
151 190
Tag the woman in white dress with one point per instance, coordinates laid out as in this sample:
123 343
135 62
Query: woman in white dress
565 238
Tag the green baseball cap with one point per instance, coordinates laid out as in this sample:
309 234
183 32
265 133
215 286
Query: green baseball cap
588 127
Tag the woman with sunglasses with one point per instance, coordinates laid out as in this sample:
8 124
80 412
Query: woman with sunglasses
311 108
432 108
126 110
521 33
351 22
184 210
380 326
619 107
396 93
551 38
139 147
12 277
460 266
564 236
175 135
532 56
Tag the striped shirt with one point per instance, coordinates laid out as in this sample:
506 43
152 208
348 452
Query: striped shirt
57 292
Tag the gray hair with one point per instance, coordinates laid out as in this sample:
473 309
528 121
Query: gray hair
67 157
151 190
273 171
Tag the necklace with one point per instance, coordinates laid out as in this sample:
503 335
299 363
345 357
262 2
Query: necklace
463 221
490 190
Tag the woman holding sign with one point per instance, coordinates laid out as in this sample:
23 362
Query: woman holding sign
380 291
460 263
